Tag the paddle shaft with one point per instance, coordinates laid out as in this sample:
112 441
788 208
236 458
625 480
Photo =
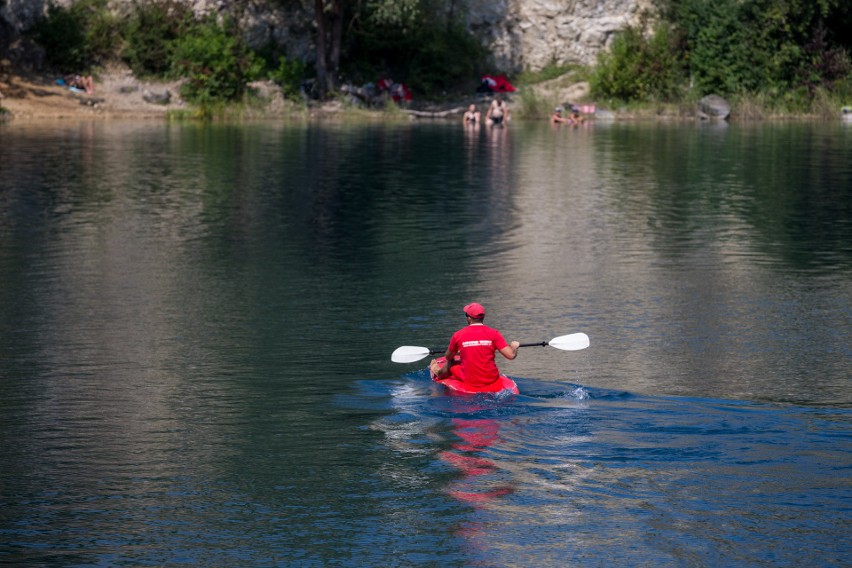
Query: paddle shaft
412 353
539 344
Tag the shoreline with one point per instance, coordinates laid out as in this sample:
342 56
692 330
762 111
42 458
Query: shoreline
119 95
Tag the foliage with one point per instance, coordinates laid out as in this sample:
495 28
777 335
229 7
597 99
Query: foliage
445 59
399 13
639 68
77 37
150 35
533 106
787 55
529 77
215 61
289 76
824 65
784 49
417 43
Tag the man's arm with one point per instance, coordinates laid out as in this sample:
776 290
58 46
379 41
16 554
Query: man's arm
445 369
511 350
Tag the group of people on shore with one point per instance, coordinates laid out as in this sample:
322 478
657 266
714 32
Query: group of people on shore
498 112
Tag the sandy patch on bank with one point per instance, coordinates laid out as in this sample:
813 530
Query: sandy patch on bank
117 94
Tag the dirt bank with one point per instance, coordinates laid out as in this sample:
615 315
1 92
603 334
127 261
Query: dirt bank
117 94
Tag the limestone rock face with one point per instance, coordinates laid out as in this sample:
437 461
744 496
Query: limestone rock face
531 34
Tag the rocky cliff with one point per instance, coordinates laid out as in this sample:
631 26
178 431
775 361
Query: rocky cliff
531 34
520 34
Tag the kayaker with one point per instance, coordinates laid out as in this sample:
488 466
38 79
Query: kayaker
475 346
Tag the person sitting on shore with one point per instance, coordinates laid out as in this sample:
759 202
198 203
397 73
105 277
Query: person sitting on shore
472 116
79 82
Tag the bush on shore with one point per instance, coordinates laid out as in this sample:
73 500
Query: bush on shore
77 37
781 57
151 33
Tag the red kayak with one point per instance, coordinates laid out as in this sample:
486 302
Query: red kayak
501 384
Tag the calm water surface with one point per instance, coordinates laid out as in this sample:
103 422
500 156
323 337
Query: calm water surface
196 325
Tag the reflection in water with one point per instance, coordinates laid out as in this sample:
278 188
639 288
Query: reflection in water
597 475
666 231
476 435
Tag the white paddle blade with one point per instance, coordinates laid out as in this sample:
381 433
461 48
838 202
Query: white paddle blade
409 354
573 342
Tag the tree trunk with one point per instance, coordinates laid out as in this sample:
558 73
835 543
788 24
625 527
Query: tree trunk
329 15
322 65
335 42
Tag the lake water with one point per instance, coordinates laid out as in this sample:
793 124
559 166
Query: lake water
196 324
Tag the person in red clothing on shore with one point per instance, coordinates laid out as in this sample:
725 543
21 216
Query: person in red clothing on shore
470 356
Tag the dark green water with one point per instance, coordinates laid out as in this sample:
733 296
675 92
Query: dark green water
196 325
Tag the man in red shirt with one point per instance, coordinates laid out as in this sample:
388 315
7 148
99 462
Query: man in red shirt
475 346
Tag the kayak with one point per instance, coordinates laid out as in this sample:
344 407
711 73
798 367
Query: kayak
503 383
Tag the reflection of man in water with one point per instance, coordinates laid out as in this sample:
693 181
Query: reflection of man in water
476 436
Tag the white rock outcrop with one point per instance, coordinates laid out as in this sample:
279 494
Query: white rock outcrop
531 34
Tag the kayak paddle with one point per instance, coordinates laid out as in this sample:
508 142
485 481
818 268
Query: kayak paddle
573 342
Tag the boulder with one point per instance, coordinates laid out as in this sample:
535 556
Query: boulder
163 98
713 107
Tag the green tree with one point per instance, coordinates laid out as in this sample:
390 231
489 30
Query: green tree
215 61
419 42
639 68
772 46
79 36
151 33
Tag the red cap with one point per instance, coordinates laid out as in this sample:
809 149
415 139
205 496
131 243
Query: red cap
474 310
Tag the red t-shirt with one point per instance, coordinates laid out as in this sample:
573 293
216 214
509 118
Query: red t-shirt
476 344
